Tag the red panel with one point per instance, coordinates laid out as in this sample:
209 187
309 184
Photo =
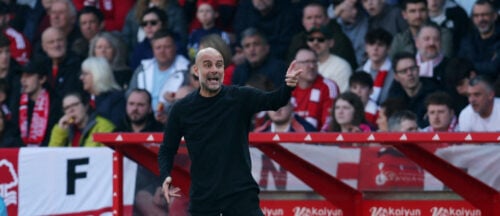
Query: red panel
323 183
471 189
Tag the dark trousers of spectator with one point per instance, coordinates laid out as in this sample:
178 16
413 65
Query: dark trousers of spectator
245 203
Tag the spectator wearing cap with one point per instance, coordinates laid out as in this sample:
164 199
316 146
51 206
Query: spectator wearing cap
207 14
331 66
37 110
20 47
258 60
90 20
313 16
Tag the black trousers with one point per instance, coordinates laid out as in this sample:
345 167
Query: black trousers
245 203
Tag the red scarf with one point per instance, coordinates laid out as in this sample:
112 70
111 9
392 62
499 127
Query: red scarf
39 118
379 81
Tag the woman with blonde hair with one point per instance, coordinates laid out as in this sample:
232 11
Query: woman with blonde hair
111 48
106 96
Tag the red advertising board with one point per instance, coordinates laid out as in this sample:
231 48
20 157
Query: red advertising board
370 208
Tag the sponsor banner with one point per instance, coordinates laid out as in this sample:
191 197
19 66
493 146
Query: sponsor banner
367 168
9 179
370 208
299 208
419 208
69 181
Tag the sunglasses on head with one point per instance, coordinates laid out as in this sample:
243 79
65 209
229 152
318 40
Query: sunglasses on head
319 39
150 22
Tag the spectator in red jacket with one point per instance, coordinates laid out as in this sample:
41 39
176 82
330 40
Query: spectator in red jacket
20 47
313 97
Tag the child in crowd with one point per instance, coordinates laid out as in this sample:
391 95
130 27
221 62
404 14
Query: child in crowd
207 14
361 84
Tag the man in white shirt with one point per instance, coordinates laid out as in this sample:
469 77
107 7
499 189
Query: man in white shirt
483 112
330 66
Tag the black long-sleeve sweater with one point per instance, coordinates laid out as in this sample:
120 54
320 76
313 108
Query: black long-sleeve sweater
216 132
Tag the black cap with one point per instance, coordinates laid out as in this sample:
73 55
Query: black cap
34 67
325 30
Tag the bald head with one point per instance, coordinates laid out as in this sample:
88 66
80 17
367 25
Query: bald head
209 68
54 43
207 51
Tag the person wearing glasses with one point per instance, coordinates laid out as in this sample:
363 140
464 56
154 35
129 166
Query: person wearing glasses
409 87
152 21
314 95
78 123
330 66
481 46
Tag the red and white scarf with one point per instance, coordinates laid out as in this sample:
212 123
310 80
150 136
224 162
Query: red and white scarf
39 118
379 81
426 69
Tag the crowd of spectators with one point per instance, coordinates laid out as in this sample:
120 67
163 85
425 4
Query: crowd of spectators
69 68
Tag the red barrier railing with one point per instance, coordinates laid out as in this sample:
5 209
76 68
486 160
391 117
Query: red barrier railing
480 195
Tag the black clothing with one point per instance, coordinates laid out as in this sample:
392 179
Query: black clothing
416 103
272 68
68 76
123 76
241 204
10 136
484 53
216 133
151 125
55 114
111 105
278 25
